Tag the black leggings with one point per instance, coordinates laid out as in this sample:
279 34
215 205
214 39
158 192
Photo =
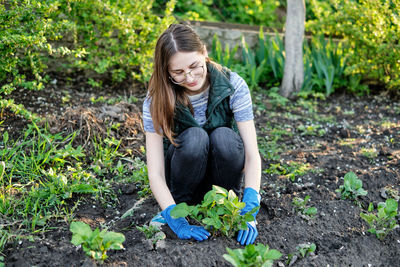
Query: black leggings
201 160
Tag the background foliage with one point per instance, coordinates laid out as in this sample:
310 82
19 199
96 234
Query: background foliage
372 30
108 40
236 11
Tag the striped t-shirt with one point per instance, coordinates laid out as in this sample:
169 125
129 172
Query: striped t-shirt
240 104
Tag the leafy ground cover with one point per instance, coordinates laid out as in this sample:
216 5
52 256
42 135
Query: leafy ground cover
307 147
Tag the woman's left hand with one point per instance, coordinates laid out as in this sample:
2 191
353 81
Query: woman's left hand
252 199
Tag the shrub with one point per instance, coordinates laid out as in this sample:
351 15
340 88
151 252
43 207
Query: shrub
114 39
25 34
118 36
26 30
372 29
236 11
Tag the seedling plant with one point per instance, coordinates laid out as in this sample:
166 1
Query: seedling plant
300 205
95 243
218 212
302 250
152 233
252 256
384 220
351 188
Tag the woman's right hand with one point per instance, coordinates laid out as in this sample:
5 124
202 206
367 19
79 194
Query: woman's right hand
182 228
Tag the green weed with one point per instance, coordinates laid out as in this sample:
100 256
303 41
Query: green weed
138 175
39 175
313 130
370 153
291 170
269 149
275 98
347 142
105 153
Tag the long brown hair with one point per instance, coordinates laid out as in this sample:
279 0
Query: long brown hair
165 95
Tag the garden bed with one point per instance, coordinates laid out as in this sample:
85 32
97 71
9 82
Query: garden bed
328 137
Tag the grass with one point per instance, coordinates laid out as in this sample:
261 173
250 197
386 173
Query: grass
43 177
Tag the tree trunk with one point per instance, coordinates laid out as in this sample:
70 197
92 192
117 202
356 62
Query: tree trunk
293 75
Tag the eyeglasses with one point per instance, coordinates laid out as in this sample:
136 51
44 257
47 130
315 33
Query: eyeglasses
196 72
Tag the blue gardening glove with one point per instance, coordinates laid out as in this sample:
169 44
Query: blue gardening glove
252 199
182 228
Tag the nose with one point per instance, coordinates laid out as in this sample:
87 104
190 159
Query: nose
189 77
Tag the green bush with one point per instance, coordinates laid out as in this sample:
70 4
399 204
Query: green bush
372 30
235 11
110 39
26 30
189 9
118 36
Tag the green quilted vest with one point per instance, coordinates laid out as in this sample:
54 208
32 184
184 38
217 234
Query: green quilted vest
218 113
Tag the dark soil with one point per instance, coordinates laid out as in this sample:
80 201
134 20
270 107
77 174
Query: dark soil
349 126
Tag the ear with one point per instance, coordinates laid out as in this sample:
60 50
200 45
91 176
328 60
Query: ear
205 51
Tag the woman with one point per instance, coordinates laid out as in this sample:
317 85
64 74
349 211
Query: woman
191 117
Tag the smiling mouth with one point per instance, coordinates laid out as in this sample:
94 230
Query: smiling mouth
192 84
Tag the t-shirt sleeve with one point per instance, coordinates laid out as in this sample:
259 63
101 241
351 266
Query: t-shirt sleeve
240 102
147 120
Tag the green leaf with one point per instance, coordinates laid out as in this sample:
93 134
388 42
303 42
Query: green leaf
80 229
180 210
370 207
273 254
220 190
116 239
311 211
77 240
391 205
350 176
5 137
231 195
2 169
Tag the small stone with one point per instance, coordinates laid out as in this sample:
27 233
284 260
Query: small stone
161 245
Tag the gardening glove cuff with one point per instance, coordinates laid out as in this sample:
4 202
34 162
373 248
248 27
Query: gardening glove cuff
182 228
252 199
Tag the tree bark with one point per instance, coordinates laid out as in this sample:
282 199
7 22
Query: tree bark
293 75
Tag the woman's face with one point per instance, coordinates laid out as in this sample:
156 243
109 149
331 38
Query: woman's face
188 69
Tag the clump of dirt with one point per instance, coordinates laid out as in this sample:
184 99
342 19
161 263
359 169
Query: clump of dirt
331 137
